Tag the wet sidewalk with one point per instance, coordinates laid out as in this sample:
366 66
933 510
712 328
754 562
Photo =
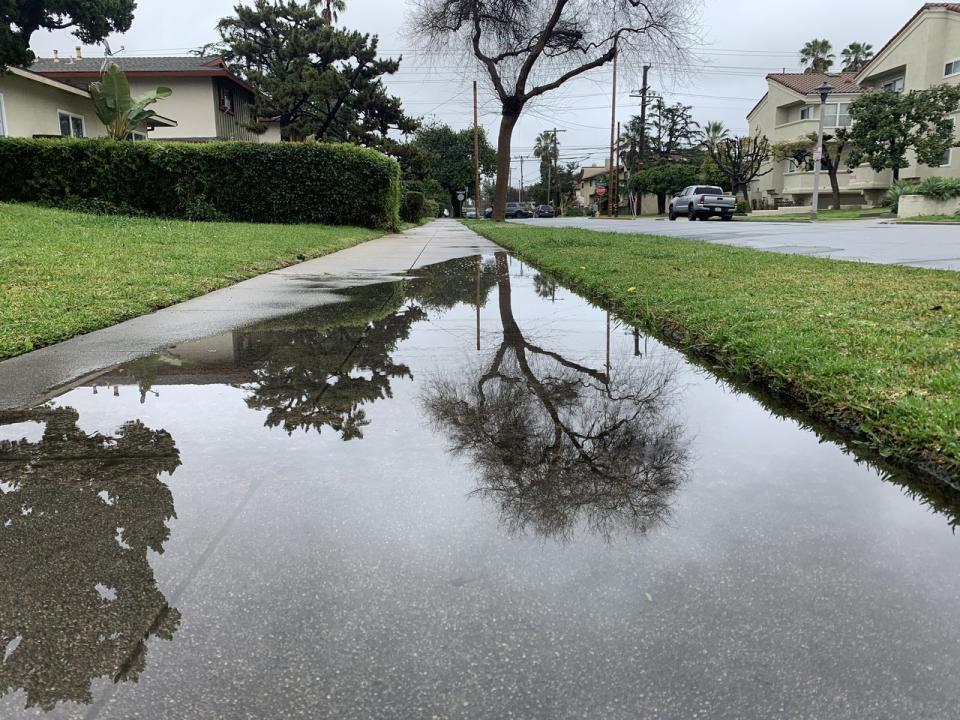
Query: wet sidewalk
25 379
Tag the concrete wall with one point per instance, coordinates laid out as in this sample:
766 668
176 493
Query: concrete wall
272 135
916 205
191 105
30 107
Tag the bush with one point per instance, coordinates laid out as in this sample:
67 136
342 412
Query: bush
576 211
743 207
280 183
935 187
412 209
431 209
940 188
899 188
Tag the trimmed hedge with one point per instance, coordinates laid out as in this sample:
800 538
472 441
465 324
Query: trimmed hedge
412 209
275 183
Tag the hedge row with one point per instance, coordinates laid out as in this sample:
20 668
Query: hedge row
277 183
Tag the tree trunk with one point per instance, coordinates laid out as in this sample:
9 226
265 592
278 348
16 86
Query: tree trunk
896 174
835 186
745 189
661 203
508 121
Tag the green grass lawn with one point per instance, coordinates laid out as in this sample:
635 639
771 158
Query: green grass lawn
65 273
853 214
870 348
924 219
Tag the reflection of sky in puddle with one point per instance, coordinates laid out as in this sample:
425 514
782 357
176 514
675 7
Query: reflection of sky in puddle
339 545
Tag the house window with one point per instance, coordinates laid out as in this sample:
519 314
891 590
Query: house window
226 100
836 115
71 125
895 85
952 68
137 135
3 118
805 112
947 158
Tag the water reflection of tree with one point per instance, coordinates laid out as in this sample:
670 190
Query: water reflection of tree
78 512
557 442
323 367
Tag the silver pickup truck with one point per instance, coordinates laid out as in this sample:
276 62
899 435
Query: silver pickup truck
699 202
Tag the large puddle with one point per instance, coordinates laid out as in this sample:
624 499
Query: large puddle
465 494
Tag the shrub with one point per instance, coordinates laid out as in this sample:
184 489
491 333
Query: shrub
743 207
898 189
412 209
431 209
940 188
575 211
282 183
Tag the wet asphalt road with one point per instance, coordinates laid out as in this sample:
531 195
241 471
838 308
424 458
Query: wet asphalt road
929 246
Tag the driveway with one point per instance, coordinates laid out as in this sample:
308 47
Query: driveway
930 246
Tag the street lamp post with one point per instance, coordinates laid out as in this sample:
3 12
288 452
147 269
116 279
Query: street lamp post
824 90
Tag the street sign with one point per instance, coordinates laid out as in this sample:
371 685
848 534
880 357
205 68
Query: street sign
461 196
601 191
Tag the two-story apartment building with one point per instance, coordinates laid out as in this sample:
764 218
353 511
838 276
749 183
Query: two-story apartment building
209 102
925 52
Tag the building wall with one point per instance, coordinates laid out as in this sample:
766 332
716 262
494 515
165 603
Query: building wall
919 55
235 124
31 108
191 105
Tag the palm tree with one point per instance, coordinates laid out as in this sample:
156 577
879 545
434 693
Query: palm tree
330 14
631 141
856 56
817 56
545 148
713 132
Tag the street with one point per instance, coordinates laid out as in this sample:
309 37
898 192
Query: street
930 246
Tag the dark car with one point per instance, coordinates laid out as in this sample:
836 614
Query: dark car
544 211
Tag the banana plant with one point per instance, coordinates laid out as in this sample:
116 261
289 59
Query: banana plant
117 109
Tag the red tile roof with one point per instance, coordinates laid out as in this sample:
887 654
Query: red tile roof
844 83
949 7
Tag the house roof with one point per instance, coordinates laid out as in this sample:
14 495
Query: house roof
155 120
844 83
949 7
73 68
28 75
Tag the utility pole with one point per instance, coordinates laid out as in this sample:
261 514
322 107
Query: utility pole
476 156
520 195
643 113
616 207
612 180
825 89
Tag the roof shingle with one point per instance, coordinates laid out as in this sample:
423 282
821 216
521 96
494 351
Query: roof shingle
844 83
127 64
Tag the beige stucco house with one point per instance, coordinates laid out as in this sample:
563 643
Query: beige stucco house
925 52
209 102
34 105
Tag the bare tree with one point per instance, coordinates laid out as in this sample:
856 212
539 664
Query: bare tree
530 47
741 161
556 442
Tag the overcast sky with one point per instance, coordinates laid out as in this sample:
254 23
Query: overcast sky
742 40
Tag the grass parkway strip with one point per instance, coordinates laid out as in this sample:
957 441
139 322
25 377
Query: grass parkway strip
873 349
64 273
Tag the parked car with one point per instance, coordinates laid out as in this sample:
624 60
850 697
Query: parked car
700 202
488 213
517 210
470 213
544 211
